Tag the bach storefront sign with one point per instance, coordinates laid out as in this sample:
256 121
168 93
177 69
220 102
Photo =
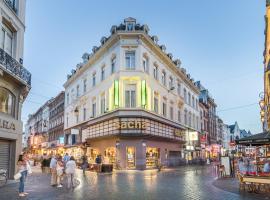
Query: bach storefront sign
133 124
4 124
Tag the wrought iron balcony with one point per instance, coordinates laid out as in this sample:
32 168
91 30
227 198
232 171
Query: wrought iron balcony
12 4
14 67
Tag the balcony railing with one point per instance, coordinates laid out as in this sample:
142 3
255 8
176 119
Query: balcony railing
12 4
14 67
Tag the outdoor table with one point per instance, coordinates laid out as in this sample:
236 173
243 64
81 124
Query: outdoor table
257 180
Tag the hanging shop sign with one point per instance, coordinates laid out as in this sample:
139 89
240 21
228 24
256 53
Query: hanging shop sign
192 136
5 124
132 124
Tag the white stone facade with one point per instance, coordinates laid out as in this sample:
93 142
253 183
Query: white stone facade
135 56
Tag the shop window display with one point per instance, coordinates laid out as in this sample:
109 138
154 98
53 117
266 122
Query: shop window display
152 157
110 155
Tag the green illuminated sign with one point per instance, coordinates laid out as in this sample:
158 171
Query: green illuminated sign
116 93
144 93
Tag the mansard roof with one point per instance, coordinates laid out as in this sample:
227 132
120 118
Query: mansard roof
124 27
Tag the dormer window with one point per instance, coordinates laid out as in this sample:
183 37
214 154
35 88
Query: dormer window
130 26
103 40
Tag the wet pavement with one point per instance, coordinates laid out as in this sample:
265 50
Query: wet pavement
182 183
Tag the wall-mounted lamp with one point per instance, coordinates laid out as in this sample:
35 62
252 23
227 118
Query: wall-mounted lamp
261 103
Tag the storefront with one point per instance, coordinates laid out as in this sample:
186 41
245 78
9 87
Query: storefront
131 146
76 151
10 143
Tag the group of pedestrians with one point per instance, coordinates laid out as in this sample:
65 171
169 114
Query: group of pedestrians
60 167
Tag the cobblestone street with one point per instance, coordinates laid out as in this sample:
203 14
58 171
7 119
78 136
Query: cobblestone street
182 183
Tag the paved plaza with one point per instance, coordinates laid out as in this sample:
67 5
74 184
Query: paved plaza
182 183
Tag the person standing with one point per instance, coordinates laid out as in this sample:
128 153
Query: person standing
59 171
70 171
84 163
22 166
66 158
53 165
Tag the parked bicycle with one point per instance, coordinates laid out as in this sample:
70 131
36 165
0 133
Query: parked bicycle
3 177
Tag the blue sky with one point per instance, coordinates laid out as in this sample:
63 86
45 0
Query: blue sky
220 43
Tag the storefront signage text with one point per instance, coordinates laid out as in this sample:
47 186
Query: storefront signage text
179 133
130 125
7 125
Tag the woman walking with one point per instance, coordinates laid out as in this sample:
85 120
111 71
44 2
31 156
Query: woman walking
70 171
22 166
59 171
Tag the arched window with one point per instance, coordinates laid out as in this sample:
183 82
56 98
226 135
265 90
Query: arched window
7 101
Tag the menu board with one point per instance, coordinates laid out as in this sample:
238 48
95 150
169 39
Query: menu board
226 162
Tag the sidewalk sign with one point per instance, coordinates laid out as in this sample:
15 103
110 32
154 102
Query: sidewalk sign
225 160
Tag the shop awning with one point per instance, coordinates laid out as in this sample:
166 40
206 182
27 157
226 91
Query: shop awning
255 140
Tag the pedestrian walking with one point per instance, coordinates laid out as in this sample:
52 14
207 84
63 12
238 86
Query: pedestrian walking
84 163
53 165
70 171
22 166
59 171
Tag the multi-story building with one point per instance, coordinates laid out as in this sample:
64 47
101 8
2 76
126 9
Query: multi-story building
56 123
37 128
208 103
220 131
204 127
265 101
15 81
131 102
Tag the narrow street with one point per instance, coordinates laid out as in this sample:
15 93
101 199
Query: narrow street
182 183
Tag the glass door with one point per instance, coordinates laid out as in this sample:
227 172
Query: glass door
131 157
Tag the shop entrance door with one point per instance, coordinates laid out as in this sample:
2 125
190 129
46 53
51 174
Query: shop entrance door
131 157
152 157
174 158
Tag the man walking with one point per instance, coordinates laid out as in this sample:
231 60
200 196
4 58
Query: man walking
53 165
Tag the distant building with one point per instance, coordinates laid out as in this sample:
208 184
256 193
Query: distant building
208 105
15 82
56 124
220 131
37 128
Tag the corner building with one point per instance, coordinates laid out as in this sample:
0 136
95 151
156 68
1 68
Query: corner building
15 82
131 102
